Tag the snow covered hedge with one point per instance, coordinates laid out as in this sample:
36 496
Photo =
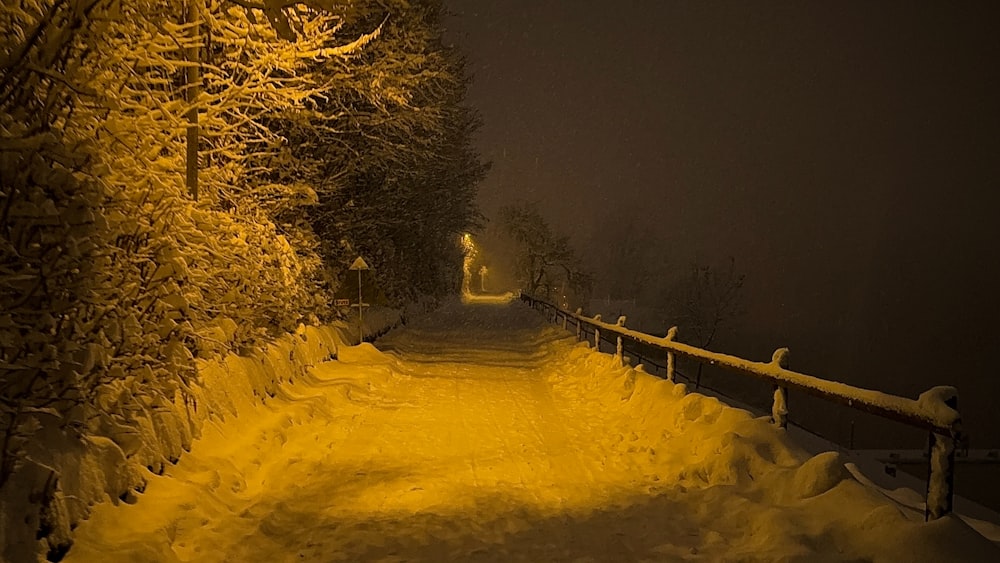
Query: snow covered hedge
113 281
68 473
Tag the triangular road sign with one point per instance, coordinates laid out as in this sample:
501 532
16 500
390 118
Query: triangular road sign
359 264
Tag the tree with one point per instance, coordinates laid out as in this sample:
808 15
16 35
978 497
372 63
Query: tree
708 302
325 127
389 149
543 260
112 280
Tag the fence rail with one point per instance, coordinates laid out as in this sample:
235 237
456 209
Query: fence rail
935 410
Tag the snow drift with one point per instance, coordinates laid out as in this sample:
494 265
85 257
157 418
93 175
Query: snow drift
69 470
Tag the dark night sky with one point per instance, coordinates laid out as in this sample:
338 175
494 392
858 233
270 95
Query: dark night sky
847 154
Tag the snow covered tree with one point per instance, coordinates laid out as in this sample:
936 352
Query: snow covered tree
392 156
47 223
112 280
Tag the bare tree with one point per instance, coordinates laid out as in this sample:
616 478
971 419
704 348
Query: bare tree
710 301
707 303
544 260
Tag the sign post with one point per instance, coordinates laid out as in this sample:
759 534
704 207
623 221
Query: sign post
359 265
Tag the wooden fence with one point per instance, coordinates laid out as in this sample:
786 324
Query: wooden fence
935 411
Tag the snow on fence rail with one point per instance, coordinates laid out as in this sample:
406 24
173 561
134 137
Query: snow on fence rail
935 410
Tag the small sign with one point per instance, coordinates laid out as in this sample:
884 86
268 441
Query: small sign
359 264
342 302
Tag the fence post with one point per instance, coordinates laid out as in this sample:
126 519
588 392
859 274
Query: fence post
597 334
579 327
619 349
671 366
941 475
565 319
779 409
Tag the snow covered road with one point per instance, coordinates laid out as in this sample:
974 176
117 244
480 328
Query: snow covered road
481 434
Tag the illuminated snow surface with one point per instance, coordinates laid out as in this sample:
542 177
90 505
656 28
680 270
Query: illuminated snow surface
479 433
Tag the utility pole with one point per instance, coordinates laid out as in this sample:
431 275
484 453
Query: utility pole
359 265
192 91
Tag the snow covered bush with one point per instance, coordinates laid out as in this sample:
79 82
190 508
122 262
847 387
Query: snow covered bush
49 225
114 277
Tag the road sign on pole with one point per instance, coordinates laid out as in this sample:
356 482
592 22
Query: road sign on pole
359 265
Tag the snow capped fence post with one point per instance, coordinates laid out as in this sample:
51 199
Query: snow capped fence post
941 475
671 335
619 352
597 334
779 410
579 327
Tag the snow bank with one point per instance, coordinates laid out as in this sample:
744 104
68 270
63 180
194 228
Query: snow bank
799 505
479 434
69 470
929 411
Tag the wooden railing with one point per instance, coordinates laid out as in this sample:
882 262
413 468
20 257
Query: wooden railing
935 410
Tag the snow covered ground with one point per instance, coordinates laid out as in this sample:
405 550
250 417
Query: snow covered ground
479 433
